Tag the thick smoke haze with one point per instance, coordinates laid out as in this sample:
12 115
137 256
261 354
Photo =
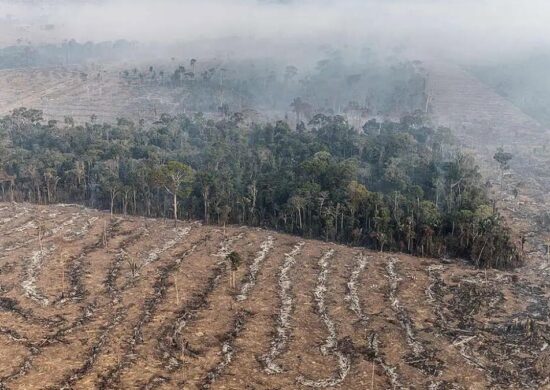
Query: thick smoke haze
460 29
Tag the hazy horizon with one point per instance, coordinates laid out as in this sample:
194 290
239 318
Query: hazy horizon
464 31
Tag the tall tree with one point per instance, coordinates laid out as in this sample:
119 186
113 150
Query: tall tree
175 177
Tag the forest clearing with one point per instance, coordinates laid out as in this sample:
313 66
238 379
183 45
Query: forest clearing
87 300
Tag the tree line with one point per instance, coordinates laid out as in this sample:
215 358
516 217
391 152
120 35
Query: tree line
399 186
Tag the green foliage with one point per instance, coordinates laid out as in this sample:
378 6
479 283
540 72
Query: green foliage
175 176
391 186
503 158
235 260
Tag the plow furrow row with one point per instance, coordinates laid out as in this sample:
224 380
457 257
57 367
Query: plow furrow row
93 353
354 305
421 357
227 349
255 268
111 378
172 345
75 267
280 340
99 302
330 346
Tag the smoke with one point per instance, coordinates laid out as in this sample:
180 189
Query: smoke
459 29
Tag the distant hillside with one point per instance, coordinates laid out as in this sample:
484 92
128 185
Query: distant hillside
525 82
473 109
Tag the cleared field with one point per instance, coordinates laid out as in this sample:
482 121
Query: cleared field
87 301
81 93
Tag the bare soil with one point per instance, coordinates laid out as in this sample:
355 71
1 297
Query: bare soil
176 323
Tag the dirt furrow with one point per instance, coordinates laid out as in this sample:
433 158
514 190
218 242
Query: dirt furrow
87 372
111 378
155 253
227 349
115 267
39 229
37 348
241 318
421 356
76 264
11 306
104 372
246 368
92 354
172 345
203 335
370 351
13 335
151 307
18 212
88 315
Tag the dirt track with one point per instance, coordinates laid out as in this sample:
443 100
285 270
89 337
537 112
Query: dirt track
350 318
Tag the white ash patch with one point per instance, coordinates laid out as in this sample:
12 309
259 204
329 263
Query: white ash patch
352 296
228 351
433 279
266 247
74 234
155 253
225 246
330 345
32 270
287 306
66 223
19 211
27 226
355 306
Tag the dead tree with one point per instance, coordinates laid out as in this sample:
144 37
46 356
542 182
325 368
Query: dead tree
63 262
235 261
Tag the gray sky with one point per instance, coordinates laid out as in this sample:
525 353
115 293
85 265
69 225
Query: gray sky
467 29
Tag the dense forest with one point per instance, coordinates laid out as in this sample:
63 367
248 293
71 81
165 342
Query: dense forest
391 186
